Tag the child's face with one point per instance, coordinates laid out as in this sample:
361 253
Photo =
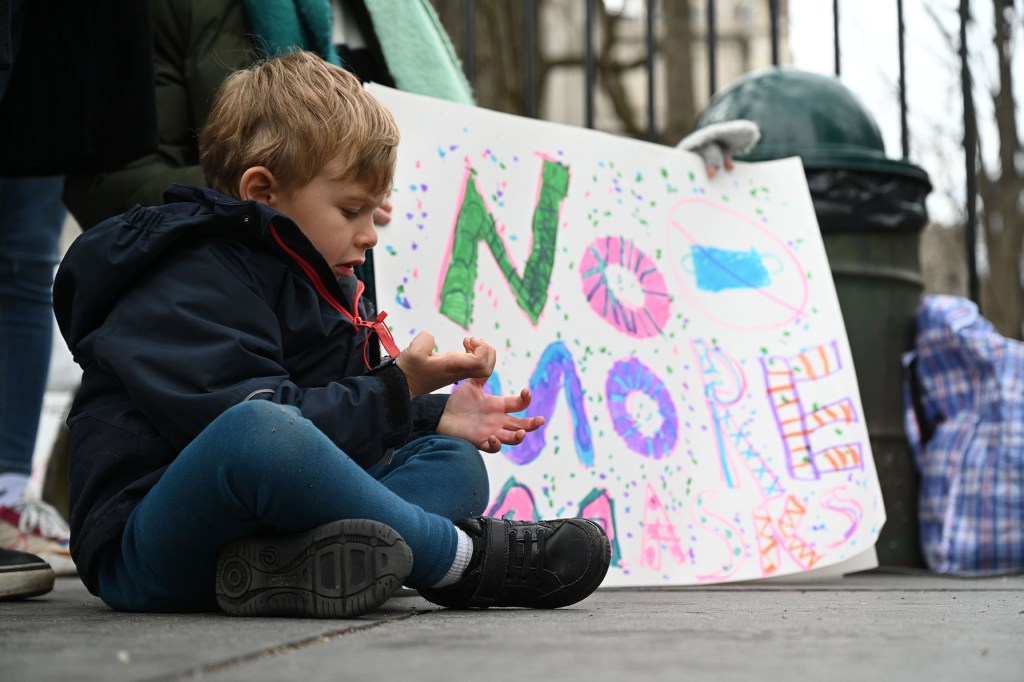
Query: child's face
336 216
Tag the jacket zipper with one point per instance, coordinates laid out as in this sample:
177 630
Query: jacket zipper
376 326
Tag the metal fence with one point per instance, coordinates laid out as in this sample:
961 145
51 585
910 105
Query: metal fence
530 105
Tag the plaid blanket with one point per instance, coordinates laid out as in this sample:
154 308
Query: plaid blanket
964 392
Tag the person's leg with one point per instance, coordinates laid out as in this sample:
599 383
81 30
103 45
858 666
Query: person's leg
31 218
259 468
440 474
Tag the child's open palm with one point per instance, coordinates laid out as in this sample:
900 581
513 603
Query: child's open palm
486 420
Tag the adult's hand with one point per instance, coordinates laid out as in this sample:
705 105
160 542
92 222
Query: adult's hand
382 214
717 143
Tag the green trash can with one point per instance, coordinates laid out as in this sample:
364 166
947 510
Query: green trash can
871 210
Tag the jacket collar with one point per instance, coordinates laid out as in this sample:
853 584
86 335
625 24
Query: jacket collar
275 228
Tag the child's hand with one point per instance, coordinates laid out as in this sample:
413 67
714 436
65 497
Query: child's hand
428 371
485 420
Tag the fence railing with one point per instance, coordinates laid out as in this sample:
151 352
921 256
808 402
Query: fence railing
468 52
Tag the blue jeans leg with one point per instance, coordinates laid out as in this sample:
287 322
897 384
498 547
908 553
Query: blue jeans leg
440 474
31 218
258 468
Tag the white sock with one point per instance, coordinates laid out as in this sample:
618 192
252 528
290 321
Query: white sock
463 553
12 488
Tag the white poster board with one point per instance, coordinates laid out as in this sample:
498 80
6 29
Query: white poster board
681 335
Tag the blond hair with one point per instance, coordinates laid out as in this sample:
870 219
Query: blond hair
294 115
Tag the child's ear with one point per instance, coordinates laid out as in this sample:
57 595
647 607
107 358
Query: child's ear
258 184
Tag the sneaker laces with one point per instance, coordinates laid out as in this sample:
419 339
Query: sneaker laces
528 555
43 519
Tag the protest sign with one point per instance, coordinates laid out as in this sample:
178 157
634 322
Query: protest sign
680 334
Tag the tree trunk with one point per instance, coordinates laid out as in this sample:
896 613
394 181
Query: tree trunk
677 44
1002 193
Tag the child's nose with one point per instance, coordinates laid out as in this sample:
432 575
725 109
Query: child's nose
367 235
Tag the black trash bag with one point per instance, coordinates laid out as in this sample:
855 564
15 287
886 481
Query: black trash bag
858 200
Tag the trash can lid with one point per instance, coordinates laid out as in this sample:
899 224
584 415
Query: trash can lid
808 115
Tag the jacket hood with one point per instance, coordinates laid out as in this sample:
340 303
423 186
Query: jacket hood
108 259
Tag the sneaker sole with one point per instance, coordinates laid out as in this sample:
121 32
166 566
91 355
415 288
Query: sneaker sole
23 582
342 569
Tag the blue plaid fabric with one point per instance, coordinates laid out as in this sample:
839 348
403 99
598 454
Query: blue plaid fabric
965 422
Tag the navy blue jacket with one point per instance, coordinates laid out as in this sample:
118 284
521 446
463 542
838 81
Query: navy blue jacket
178 312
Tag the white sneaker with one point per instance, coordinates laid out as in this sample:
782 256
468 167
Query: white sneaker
36 527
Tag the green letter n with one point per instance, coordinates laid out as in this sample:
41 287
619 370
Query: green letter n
474 223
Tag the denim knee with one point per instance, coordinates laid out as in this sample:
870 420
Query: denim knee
258 411
263 431
31 219
444 475
471 469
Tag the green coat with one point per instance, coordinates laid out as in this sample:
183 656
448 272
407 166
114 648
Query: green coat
197 43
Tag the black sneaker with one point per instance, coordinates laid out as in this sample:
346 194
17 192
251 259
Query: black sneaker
23 575
540 565
342 569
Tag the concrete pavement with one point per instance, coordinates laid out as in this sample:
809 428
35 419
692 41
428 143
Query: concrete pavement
877 625
906 626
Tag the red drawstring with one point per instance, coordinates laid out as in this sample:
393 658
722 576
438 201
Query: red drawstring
377 326
381 329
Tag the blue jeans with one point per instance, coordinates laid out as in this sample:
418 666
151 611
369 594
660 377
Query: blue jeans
31 218
263 468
